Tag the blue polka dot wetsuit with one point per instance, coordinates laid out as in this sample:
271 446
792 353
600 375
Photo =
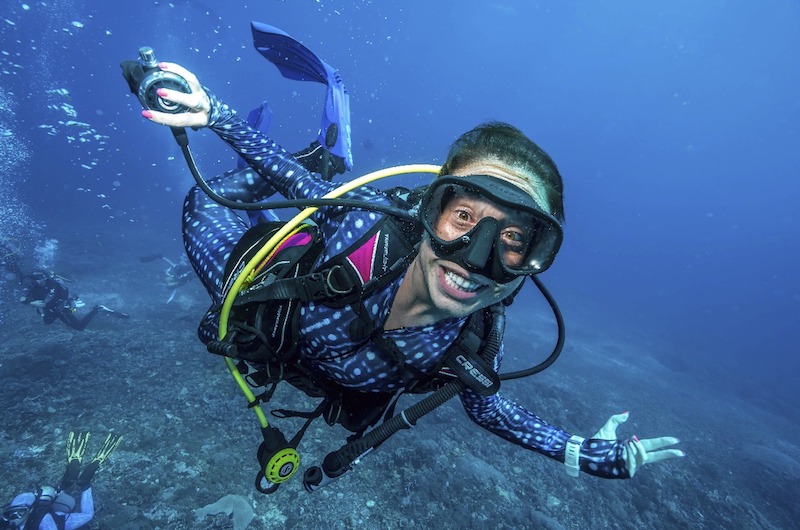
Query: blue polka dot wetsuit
211 231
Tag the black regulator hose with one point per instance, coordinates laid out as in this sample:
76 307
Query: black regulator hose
339 462
183 142
559 343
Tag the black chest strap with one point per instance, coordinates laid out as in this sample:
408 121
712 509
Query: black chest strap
408 374
470 358
332 283
377 258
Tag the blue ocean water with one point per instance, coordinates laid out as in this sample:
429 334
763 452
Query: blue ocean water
674 126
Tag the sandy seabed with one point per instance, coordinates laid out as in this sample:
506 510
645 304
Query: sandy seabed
189 439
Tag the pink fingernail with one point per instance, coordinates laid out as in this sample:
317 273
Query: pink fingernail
626 412
163 66
162 92
147 114
635 438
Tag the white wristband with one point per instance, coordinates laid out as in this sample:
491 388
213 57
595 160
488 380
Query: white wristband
572 456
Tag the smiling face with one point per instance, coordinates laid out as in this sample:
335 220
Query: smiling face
452 289
448 276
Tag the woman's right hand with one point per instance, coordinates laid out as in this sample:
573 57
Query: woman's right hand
197 101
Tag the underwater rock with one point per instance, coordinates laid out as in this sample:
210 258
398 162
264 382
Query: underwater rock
230 504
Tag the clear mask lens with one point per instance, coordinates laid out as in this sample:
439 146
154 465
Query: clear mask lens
519 238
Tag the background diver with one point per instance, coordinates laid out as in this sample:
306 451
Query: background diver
177 273
49 294
52 508
491 218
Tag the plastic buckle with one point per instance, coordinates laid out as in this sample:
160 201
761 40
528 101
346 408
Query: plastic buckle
330 289
312 287
320 285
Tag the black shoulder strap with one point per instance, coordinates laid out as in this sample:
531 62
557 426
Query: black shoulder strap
38 513
378 257
250 244
472 355
465 361
291 277
36 518
470 358
60 520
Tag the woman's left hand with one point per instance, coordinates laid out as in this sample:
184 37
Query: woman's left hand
638 452
197 102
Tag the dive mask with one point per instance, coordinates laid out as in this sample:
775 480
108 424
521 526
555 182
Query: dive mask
524 242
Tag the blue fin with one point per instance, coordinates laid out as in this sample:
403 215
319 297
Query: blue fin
260 118
295 61
261 216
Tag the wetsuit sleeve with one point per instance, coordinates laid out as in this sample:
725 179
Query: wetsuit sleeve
510 421
285 174
273 163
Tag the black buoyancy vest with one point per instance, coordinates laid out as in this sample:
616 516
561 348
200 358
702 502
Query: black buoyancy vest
265 316
264 321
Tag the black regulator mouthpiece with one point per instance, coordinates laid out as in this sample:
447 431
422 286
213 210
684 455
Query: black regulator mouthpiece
144 78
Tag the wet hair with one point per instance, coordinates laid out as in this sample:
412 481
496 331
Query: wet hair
508 146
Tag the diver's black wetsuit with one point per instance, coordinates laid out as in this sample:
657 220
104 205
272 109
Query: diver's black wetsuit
54 294
210 232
